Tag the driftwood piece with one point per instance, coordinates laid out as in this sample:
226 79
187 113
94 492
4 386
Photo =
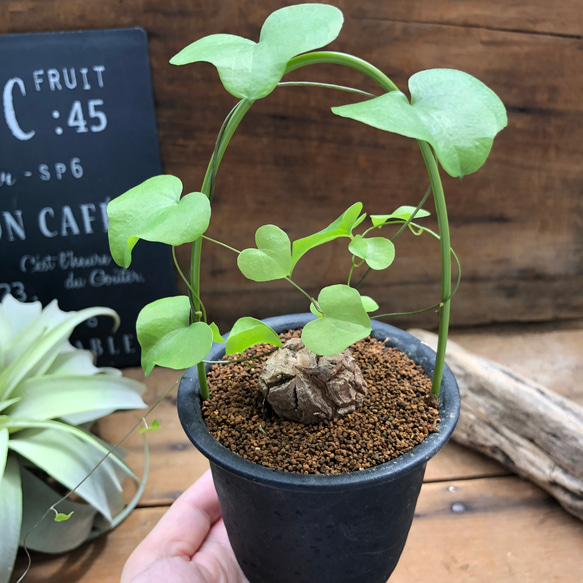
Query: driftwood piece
531 430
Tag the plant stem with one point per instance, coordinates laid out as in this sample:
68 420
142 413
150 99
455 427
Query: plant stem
225 135
312 300
222 244
445 246
402 228
325 86
321 57
227 130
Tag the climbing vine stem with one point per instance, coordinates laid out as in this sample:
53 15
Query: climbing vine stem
226 133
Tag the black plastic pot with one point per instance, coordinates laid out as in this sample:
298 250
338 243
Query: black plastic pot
295 528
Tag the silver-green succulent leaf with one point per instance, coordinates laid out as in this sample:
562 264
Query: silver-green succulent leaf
48 388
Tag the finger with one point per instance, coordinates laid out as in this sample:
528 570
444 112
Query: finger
186 524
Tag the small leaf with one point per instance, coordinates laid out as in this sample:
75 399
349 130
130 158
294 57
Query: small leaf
68 460
341 227
166 337
272 258
403 213
216 334
345 321
250 70
154 211
60 517
369 304
46 536
378 252
451 110
248 332
152 427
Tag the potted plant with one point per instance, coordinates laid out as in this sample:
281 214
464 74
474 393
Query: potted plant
288 526
50 392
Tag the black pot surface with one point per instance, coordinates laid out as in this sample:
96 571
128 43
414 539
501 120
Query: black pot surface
296 528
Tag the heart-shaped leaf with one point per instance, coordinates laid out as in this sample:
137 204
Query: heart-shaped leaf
403 213
367 303
272 258
154 211
453 111
248 332
168 339
378 252
341 227
250 70
345 321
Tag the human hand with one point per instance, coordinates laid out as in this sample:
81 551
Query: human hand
188 545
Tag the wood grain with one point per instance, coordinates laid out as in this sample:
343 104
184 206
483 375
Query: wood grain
531 430
475 523
515 225
477 531
502 530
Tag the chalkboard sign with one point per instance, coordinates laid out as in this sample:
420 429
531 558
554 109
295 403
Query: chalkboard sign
77 129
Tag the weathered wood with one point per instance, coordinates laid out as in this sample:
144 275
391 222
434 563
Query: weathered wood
174 463
515 225
503 529
498 529
529 429
565 17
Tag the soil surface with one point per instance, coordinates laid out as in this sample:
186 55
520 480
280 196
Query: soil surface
398 413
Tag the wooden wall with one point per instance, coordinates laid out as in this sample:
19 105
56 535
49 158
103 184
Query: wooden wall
517 224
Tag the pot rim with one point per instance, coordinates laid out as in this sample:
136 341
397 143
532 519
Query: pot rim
188 403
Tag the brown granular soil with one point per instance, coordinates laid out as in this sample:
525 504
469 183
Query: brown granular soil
398 413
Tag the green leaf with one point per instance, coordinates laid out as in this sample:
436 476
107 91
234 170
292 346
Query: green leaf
250 70
60 517
152 427
3 450
168 339
69 460
369 304
378 252
10 517
344 323
154 211
113 463
248 332
53 396
216 334
5 404
453 111
49 536
341 227
45 346
272 258
403 213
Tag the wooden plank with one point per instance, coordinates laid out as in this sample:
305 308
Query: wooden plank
515 225
477 531
565 18
100 561
502 530
174 462
549 354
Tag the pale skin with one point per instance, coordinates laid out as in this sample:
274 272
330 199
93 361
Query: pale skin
188 545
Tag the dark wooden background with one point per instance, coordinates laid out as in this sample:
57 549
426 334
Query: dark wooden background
517 224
